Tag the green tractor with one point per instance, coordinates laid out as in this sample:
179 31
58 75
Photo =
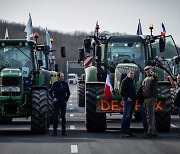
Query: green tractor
118 54
24 87
48 69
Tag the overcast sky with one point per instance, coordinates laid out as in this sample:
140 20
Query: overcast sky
112 15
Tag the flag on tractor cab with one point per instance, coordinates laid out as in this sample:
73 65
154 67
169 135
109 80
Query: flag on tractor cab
48 40
108 87
29 29
6 35
139 29
163 32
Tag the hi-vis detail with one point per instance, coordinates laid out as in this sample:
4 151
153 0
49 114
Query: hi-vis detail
116 105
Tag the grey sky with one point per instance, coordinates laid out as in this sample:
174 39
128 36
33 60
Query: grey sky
112 15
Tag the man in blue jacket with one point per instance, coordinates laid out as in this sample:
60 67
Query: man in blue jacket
60 93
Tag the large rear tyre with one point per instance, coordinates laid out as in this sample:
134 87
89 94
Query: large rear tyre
95 122
81 95
163 118
39 117
50 110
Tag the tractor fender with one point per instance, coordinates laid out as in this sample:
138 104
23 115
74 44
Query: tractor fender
91 74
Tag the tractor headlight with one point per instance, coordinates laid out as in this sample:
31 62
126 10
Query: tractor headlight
10 89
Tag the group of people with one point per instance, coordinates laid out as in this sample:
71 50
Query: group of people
147 95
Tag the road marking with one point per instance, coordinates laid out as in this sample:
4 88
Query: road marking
174 126
71 115
70 104
71 108
72 127
70 101
74 149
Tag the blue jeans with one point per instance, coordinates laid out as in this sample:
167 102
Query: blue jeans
144 120
59 106
127 114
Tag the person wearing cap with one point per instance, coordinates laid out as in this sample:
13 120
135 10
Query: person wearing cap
150 94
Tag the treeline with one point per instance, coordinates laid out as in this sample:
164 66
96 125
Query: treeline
72 42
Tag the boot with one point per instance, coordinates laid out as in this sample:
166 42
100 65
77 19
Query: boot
64 133
54 132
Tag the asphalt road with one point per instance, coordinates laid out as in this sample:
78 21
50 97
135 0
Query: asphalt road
16 138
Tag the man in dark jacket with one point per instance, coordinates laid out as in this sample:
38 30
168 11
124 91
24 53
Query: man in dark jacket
128 92
177 94
150 84
60 93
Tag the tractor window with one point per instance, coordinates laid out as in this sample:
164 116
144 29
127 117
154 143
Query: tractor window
15 57
121 52
42 57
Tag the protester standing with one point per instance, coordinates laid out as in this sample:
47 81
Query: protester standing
60 93
128 91
150 94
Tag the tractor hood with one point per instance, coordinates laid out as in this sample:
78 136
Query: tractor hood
10 72
121 73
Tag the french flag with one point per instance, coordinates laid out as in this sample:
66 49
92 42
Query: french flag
139 29
108 87
163 32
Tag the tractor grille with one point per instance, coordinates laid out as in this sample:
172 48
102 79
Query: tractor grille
10 81
11 86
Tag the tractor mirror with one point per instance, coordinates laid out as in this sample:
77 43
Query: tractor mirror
63 52
81 54
98 52
153 53
87 44
162 42
56 67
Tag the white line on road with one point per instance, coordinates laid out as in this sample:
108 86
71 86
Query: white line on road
174 126
72 127
74 149
71 115
70 101
71 108
70 104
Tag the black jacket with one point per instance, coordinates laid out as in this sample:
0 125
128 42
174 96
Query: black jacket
128 89
60 90
140 95
177 98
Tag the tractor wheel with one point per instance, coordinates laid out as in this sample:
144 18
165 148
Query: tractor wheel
39 117
50 110
163 118
95 122
81 95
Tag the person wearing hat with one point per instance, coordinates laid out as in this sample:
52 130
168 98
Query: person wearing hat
150 93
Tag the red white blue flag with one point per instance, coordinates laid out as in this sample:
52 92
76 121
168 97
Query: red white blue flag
139 29
163 32
108 87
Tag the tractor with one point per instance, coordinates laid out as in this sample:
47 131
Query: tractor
24 86
117 54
